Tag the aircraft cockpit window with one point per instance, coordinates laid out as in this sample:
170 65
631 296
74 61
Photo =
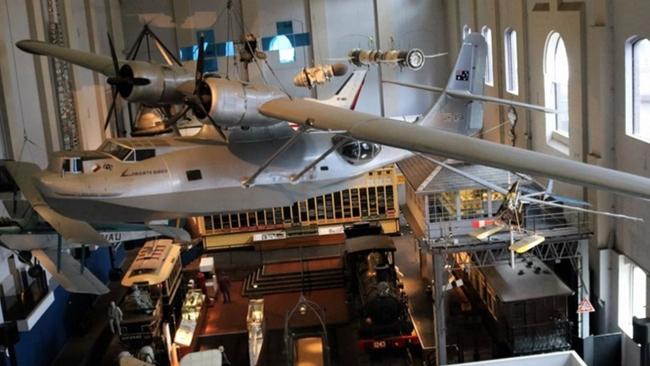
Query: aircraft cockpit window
358 152
118 151
130 156
72 165
144 154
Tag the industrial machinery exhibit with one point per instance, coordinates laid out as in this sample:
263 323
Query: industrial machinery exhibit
320 182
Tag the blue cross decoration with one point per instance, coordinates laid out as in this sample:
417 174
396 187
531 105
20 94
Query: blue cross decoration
210 63
284 40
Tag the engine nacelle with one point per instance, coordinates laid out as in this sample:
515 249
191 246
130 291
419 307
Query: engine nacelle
232 103
163 87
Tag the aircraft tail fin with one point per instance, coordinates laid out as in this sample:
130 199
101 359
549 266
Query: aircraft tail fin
74 231
348 94
457 114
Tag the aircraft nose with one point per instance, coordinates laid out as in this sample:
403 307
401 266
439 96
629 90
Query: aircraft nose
80 185
56 186
50 186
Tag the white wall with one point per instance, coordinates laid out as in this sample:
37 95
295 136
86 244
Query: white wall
595 33
27 81
20 85
631 154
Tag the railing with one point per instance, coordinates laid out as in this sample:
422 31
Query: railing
351 205
18 307
547 222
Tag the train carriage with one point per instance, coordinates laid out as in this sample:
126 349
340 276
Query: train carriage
526 305
380 302
158 268
155 295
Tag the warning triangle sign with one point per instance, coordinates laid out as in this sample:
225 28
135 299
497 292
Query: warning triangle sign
585 306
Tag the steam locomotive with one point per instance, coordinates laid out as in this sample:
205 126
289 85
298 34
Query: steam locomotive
377 295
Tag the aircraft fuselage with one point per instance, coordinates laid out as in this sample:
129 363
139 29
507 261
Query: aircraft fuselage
124 182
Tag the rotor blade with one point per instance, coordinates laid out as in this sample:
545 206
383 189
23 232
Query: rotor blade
503 191
580 209
428 140
470 96
116 65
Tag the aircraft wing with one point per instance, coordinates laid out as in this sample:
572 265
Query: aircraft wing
89 60
175 233
428 140
69 274
72 230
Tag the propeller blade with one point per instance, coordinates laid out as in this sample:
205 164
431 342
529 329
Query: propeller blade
141 81
199 65
219 130
116 65
174 119
111 110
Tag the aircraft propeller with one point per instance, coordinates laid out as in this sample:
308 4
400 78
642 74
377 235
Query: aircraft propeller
195 101
119 81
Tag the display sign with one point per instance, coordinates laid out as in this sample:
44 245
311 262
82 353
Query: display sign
585 306
331 230
270 235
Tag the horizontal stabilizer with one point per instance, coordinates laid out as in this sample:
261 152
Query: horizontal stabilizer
69 275
89 60
470 96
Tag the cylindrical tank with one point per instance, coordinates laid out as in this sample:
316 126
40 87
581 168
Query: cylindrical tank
233 103
163 87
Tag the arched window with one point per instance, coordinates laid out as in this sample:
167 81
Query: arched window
510 50
285 49
556 86
489 68
466 31
639 88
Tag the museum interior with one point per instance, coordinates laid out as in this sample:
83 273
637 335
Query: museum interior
324 182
